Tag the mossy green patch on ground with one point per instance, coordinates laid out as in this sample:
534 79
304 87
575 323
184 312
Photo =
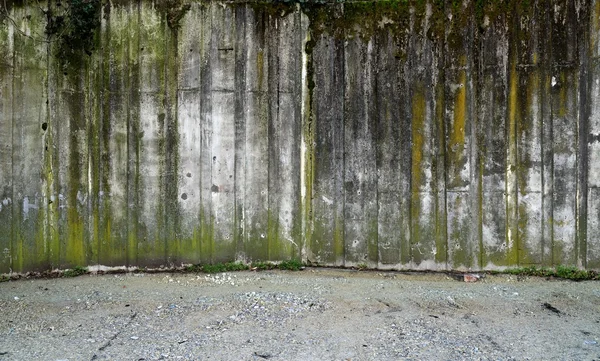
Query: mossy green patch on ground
74 272
362 266
290 265
223 267
565 272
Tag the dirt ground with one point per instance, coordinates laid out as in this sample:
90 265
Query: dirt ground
316 314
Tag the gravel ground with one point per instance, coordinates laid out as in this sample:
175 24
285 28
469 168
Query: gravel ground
316 314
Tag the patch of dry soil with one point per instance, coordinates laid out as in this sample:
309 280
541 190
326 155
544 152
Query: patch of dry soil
317 314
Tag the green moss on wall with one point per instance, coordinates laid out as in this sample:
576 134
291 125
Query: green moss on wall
445 24
338 242
418 123
512 238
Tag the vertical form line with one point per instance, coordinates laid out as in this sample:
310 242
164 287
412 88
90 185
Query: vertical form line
583 124
128 145
12 163
343 139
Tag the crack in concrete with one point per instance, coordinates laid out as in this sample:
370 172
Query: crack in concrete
114 337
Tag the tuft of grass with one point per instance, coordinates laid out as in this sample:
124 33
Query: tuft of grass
361 266
292 265
224 267
574 273
194 268
4 278
262 266
565 272
74 272
530 271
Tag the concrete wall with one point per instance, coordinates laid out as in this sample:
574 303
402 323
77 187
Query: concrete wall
422 135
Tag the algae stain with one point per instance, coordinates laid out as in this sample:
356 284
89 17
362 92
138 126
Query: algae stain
511 204
18 262
308 161
441 239
457 135
260 62
513 103
75 250
96 234
132 253
373 241
107 239
52 207
418 128
562 107
338 241
206 245
595 38
273 235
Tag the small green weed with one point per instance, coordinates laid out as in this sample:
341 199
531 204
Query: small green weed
74 272
262 266
530 271
574 273
362 266
224 267
4 278
566 272
193 268
292 265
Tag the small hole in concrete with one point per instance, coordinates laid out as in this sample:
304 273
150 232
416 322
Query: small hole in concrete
214 159
189 175
184 196
44 126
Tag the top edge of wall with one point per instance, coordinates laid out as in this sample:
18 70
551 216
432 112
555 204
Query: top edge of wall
18 3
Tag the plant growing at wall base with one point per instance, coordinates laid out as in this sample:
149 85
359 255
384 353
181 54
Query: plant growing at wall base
224 267
566 272
74 272
291 265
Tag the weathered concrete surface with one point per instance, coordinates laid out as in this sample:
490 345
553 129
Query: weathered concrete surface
424 135
316 314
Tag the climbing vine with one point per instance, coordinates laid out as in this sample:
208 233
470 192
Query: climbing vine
73 25
173 10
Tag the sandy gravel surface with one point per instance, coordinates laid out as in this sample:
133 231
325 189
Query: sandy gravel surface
316 314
